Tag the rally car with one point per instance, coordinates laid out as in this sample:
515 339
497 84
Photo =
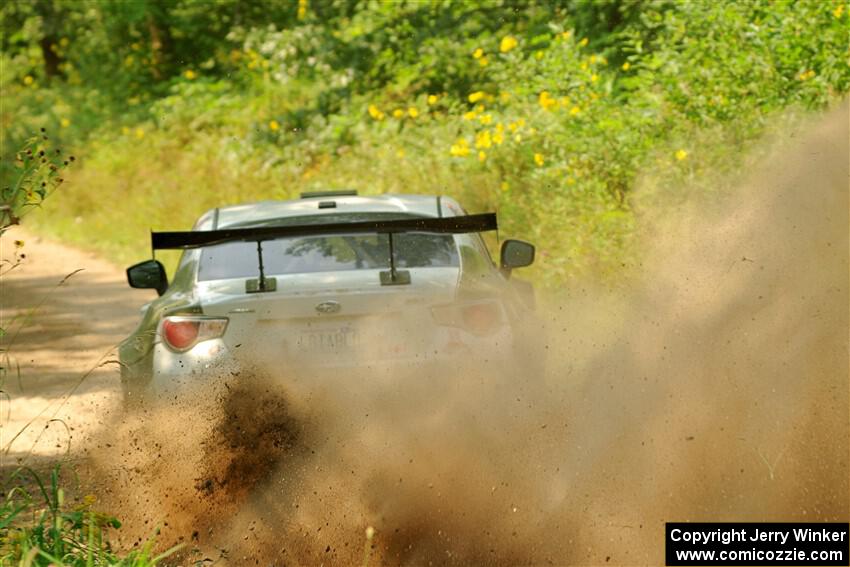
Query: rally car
330 280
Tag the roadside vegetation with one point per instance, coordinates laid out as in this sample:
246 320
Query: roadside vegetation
576 121
39 527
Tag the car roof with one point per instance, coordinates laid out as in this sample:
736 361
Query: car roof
418 205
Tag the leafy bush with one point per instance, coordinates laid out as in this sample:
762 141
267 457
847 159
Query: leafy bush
552 114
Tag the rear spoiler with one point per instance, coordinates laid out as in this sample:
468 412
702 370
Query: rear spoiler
446 225
198 238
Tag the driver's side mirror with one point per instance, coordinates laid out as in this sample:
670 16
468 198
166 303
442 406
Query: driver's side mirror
149 274
516 254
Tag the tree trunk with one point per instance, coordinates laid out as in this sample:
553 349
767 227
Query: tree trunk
161 44
50 20
51 58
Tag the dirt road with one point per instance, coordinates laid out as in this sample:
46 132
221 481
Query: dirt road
61 377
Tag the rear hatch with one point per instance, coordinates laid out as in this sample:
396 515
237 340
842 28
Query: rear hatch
333 318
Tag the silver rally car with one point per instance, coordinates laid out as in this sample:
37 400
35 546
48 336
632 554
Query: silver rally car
329 280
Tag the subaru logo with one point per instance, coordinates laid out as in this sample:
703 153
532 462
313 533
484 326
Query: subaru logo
327 307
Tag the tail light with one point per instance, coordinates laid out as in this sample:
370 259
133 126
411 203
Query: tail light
180 333
480 318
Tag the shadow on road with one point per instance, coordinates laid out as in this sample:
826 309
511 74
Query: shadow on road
60 373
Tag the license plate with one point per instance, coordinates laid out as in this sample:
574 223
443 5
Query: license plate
328 341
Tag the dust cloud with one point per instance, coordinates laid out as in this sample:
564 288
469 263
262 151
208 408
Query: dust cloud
715 390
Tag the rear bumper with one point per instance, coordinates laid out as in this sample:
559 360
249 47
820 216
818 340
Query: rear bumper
173 373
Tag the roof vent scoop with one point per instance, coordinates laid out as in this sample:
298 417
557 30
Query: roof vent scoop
323 194
327 204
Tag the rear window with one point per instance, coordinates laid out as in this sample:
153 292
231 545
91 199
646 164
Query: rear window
300 255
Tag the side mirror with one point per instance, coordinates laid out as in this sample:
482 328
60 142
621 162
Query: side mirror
149 274
516 254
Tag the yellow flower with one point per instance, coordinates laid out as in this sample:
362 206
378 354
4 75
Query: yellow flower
508 42
681 154
413 112
432 99
517 138
28 80
546 100
65 122
513 126
838 11
140 133
302 9
485 118
482 156
594 77
482 139
478 53
189 74
538 159
398 113
626 66
538 55
584 42
504 96
460 148
564 35
574 110
476 96
274 126
469 115
479 109
400 153
375 112
483 61
498 137
505 186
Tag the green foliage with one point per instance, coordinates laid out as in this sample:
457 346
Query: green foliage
38 527
554 114
39 170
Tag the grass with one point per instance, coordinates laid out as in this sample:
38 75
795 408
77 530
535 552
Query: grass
38 526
